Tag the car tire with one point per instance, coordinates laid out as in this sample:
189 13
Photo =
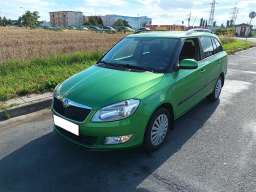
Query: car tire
217 90
157 129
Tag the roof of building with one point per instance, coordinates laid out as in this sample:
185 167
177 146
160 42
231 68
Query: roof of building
243 24
172 34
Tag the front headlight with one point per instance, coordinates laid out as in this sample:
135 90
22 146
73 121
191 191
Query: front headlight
116 111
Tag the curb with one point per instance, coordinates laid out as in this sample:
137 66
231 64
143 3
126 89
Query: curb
26 108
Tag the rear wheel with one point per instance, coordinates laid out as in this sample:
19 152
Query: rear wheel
217 90
157 129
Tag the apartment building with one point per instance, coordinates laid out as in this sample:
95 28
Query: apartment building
66 18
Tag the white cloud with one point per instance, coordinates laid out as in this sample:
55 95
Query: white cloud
105 3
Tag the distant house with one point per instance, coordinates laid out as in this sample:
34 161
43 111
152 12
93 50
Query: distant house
243 29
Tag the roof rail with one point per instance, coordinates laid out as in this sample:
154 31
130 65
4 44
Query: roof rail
196 30
149 31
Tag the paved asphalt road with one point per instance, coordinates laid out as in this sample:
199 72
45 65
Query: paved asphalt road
213 148
248 39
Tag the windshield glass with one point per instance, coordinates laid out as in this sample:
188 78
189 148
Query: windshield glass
152 53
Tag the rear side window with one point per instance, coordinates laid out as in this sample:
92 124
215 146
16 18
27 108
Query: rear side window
207 46
219 47
214 47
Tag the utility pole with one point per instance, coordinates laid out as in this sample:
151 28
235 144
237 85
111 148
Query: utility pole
189 17
194 21
234 14
211 18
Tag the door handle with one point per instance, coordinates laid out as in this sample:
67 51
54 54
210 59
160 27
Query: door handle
219 61
203 70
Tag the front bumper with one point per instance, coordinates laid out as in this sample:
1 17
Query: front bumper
92 135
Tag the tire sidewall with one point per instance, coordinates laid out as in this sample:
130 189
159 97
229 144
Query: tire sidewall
147 144
220 78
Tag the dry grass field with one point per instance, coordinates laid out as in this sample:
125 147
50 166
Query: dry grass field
19 43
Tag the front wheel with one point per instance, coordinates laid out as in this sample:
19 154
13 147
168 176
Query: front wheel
217 90
157 129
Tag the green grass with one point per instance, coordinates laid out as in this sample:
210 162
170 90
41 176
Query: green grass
236 45
19 78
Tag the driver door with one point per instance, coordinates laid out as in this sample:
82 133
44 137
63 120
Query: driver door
189 82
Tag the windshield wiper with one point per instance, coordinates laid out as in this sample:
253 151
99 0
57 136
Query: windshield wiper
127 66
138 67
106 63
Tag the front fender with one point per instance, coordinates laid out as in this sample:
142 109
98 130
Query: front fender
158 95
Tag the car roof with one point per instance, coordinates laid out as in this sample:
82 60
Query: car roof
172 34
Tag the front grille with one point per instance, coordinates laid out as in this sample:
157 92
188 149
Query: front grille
70 112
85 140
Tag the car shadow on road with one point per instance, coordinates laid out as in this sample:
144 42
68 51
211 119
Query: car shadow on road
51 163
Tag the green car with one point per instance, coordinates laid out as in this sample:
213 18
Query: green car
132 96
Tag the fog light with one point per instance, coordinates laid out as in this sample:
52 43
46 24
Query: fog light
117 139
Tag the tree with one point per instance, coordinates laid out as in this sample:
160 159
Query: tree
201 22
119 23
9 22
1 21
5 21
214 24
227 23
19 22
100 22
126 23
231 23
93 20
30 19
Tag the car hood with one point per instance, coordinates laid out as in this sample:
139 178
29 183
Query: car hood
97 87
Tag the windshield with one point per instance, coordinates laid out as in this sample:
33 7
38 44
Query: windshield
152 53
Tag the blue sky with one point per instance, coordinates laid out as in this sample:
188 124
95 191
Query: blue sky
161 11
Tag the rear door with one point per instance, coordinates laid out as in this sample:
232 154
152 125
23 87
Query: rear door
210 63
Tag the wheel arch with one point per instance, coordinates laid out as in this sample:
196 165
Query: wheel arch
169 107
222 78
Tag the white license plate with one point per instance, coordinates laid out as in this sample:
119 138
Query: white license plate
63 123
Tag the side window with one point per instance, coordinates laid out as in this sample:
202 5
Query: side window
190 50
207 46
214 46
219 47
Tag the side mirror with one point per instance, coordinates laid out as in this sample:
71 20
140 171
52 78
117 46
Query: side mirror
188 64
104 53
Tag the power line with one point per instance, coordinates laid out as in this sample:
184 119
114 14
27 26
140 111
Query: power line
189 18
234 14
211 17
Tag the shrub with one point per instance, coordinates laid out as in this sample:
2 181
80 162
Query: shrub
251 34
227 38
111 32
221 31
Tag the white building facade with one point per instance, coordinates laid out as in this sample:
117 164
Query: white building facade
134 22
